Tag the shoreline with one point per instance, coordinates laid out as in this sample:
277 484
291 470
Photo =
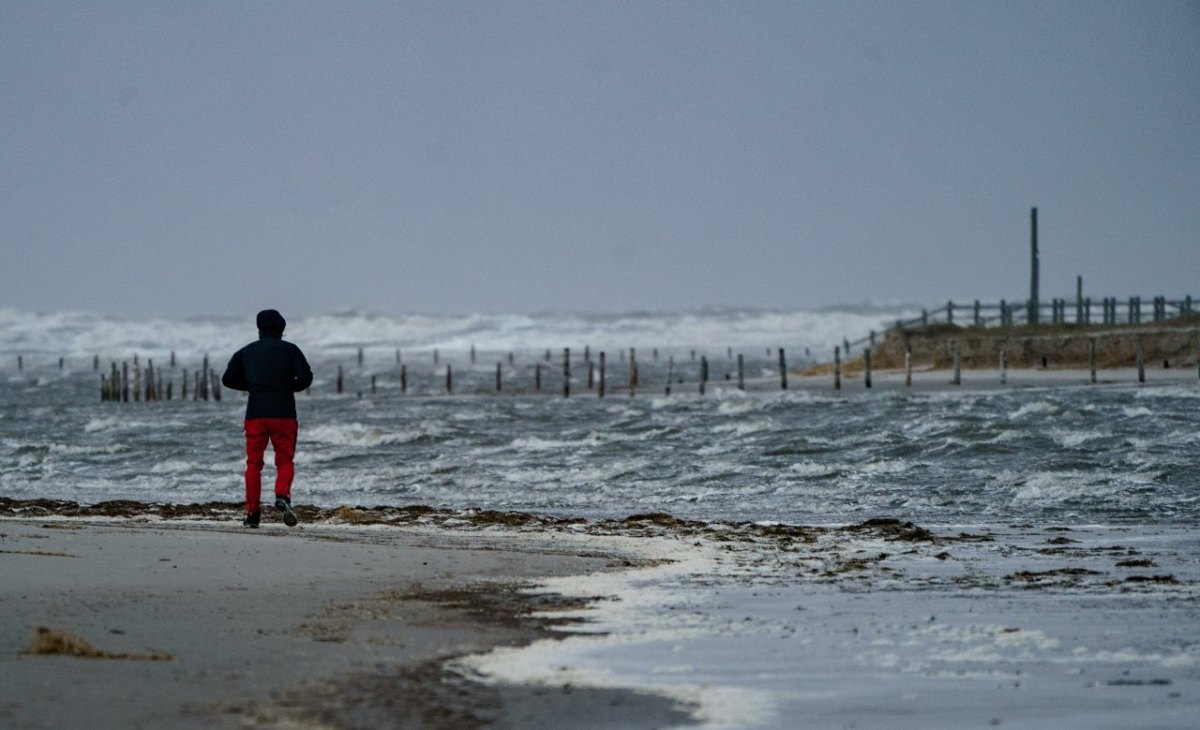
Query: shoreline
484 619
330 626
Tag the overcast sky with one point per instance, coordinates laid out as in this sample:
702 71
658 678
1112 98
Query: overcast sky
176 158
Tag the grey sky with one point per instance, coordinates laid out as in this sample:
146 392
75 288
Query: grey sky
173 158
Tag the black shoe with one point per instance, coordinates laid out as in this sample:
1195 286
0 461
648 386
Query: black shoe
284 505
252 519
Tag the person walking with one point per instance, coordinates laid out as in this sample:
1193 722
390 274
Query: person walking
273 371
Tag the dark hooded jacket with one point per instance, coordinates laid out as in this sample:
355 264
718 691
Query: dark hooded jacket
271 369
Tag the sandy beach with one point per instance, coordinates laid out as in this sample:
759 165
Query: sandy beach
211 625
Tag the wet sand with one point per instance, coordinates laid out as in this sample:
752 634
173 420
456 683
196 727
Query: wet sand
207 624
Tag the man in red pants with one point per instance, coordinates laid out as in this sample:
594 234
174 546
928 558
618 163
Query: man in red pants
273 371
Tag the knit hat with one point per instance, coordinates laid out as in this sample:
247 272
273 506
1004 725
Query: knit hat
271 322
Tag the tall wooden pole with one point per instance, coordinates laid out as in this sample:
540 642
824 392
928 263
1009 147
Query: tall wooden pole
1033 279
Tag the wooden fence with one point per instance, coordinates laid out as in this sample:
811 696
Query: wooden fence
1082 311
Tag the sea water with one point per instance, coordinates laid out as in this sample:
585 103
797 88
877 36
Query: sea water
1114 464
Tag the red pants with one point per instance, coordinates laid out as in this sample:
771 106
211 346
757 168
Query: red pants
281 432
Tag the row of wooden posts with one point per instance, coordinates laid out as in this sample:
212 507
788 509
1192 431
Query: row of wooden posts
600 384
956 378
128 383
134 383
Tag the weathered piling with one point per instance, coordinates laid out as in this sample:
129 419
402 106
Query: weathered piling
633 372
1092 360
20 363
741 372
183 389
204 378
537 376
340 380
96 363
957 366
1141 360
124 382
867 367
499 379
449 379
566 372
782 371
172 359
137 382
908 368
703 373
670 372
600 390
360 357
591 375
837 368
216 385
403 378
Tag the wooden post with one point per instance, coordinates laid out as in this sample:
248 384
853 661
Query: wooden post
547 354
537 376
360 357
216 385
340 380
449 379
600 390
1034 305
61 362
949 312
20 363
837 368
741 372
1141 360
125 382
566 372
908 368
137 382
1078 300
499 380
170 385
957 365
203 377
977 322
633 371
1092 359
587 356
183 389
782 371
403 378
1087 310
591 374
703 373
1003 367
867 367
670 372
